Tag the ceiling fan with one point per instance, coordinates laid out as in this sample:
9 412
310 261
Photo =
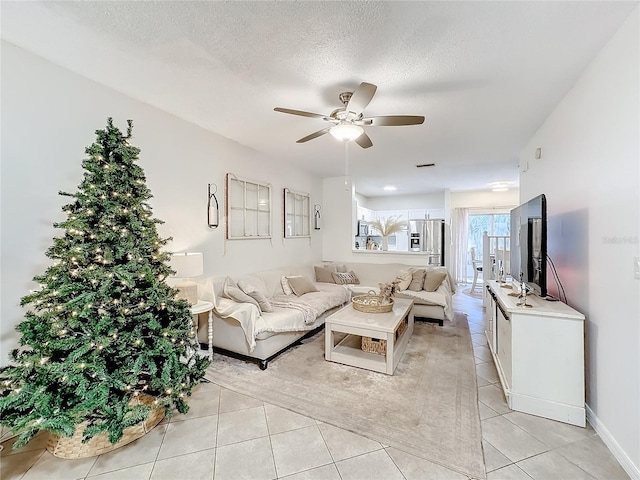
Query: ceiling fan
348 121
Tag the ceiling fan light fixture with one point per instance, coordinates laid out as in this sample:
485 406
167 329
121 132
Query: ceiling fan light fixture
346 131
349 119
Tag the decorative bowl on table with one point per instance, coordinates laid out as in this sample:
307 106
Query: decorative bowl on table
372 303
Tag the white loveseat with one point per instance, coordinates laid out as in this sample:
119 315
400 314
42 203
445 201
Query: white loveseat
242 329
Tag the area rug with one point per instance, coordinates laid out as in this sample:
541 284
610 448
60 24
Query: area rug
475 293
428 408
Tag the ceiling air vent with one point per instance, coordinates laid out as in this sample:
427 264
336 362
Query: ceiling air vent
426 165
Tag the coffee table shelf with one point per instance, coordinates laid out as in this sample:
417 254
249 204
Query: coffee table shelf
350 347
357 324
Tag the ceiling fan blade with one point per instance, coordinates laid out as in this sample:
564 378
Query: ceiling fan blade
314 135
393 120
361 97
299 112
364 141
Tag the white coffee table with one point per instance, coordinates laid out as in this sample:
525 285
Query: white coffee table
375 325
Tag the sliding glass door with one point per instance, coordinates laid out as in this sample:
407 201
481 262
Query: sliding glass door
493 224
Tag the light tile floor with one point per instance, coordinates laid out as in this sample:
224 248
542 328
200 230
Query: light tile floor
230 436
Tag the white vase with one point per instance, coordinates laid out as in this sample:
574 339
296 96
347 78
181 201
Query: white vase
385 244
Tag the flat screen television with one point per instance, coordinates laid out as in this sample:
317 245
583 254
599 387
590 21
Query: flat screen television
529 235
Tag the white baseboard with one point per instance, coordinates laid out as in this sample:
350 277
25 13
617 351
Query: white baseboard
625 462
562 412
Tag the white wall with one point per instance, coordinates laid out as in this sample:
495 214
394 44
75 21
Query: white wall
590 174
49 116
485 199
433 201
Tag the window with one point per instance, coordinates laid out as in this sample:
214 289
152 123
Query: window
297 214
248 208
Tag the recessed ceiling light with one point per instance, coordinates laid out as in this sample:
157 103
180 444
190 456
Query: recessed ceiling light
499 186
390 188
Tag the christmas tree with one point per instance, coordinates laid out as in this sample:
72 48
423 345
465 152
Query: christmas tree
104 327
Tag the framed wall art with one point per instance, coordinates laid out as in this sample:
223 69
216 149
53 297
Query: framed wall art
297 214
248 208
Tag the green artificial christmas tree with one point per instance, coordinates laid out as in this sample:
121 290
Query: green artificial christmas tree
104 327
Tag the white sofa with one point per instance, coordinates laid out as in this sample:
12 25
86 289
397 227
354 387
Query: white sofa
241 329
437 305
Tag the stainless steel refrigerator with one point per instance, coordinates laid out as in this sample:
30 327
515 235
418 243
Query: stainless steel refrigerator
428 236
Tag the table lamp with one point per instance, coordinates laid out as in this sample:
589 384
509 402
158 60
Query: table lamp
187 265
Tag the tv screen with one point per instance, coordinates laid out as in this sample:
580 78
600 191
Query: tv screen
529 234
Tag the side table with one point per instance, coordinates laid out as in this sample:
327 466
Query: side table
202 307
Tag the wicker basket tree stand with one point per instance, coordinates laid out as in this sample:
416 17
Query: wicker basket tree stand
74 447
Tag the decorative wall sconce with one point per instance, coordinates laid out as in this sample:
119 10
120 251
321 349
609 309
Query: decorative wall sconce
316 216
213 212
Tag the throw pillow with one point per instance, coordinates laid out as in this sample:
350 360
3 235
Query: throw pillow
286 288
349 278
417 280
433 280
257 295
231 290
404 280
301 285
341 268
323 275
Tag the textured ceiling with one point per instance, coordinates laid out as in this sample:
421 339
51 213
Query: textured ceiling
484 74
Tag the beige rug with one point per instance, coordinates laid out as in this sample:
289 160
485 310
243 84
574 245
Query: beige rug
477 293
428 408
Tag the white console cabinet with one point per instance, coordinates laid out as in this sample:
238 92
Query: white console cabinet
539 354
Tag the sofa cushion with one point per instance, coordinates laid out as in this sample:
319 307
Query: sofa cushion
270 279
349 278
231 290
433 280
363 290
255 293
425 298
286 286
324 274
301 285
417 280
404 280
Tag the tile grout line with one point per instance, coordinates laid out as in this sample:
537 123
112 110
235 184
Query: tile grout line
393 461
158 452
215 449
273 457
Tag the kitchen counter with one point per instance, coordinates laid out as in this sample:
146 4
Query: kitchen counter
387 252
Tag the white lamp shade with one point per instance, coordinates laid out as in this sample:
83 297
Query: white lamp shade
187 265
346 131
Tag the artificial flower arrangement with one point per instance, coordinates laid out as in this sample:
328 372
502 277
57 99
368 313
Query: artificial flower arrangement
388 290
388 226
